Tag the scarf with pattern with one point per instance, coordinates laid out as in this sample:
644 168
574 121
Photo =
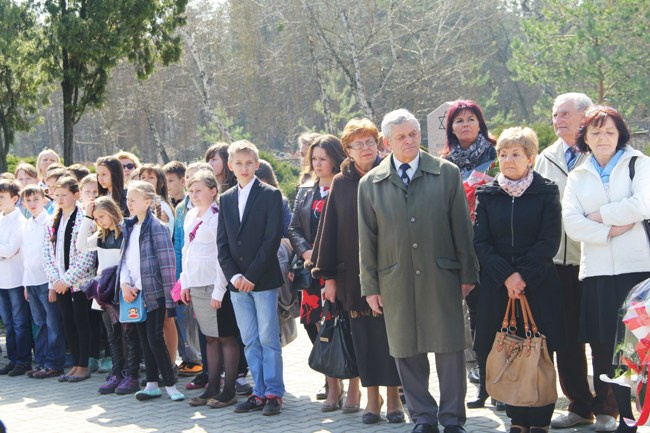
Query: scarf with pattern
515 188
468 159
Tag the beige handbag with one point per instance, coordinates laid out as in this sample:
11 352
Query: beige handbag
519 370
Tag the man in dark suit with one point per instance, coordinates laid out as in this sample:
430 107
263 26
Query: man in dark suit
250 229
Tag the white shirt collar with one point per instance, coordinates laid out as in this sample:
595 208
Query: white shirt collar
413 164
247 189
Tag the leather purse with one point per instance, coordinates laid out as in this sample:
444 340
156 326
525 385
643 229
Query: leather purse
519 369
333 352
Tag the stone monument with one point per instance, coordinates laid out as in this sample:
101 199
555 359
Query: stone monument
436 133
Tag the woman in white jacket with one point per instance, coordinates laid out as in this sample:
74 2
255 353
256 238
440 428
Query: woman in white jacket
605 204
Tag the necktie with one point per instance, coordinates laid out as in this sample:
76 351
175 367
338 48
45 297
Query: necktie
405 177
571 158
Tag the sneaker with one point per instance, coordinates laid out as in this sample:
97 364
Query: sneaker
273 406
110 385
242 387
93 365
186 369
474 375
106 365
145 395
605 423
46 373
18 370
200 381
570 420
128 385
252 404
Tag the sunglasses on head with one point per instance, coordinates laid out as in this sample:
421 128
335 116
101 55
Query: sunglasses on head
129 166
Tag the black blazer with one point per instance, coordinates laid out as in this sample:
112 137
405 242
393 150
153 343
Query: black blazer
251 247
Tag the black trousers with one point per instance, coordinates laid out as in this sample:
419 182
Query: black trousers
530 416
124 346
152 341
75 308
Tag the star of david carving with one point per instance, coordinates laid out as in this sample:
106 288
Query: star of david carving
441 119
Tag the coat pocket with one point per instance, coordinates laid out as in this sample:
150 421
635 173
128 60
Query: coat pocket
444 263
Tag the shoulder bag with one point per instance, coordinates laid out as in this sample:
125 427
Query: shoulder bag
519 370
333 353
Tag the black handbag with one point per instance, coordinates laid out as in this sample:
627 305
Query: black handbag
333 352
302 279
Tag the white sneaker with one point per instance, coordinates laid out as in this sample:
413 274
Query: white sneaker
605 423
570 420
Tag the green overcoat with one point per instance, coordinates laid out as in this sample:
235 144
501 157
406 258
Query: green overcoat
415 250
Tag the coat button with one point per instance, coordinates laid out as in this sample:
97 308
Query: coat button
241 259
418 272
412 219
415 245
238 242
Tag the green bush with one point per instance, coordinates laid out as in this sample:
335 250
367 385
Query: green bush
13 161
286 173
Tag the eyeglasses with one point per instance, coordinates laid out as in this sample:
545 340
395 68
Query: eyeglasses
129 166
358 145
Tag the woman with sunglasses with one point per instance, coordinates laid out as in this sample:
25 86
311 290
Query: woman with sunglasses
129 162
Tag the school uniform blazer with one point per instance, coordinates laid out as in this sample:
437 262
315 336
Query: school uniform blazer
250 247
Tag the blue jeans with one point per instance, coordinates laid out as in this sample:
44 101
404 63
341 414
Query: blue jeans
15 316
49 340
257 318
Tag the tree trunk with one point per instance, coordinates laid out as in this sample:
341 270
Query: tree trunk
5 145
67 89
203 87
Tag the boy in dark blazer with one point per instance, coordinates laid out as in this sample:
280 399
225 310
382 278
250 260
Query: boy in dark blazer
249 233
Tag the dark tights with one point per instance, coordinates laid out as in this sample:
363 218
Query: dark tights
222 355
74 309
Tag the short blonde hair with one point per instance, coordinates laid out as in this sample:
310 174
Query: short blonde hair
205 176
146 189
29 169
518 136
243 146
91 178
123 154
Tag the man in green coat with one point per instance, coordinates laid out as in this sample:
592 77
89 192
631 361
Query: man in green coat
417 263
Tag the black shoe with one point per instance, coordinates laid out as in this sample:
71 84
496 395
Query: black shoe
19 370
273 406
479 403
395 417
474 375
322 394
6 369
425 428
252 404
455 429
370 418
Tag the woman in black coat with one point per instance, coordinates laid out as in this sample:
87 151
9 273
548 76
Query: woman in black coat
517 233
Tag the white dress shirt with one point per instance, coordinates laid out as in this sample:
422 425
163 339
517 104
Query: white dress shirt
11 257
242 197
200 256
33 239
413 166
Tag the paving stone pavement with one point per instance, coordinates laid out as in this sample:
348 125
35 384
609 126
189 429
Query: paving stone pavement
46 406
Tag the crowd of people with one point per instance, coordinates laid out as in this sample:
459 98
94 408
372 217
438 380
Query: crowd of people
223 266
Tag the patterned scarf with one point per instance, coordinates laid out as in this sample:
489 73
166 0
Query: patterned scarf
515 188
468 159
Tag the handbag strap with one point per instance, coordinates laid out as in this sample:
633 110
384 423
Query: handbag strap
528 317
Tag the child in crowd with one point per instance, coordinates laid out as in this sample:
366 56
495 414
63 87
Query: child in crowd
147 268
186 326
89 189
107 241
13 307
249 232
78 171
129 162
25 174
204 285
175 176
67 268
217 157
154 175
49 342
52 175
110 180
